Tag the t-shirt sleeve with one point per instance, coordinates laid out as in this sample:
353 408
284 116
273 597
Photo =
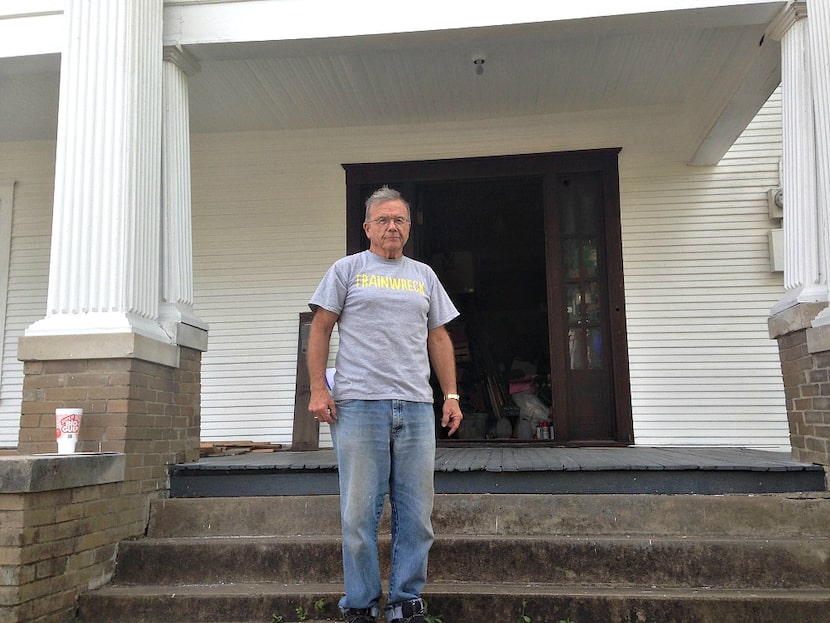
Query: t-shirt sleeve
441 307
331 292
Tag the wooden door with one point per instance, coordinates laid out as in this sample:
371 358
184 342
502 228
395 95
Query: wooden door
583 343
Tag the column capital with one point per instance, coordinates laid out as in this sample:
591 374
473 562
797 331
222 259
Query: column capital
789 15
182 59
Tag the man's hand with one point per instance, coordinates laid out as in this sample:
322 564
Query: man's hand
321 406
452 415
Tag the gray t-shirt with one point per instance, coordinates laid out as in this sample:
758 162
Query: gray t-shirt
386 308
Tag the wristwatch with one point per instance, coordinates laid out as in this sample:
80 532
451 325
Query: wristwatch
452 397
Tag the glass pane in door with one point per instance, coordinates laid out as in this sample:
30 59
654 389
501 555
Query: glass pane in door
588 385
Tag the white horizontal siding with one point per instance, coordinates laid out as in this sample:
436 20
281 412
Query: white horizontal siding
31 165
698 295
258 247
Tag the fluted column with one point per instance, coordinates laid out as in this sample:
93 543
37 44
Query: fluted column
803 278
176 243
819 31
104 266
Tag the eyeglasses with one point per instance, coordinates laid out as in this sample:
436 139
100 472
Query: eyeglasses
383 221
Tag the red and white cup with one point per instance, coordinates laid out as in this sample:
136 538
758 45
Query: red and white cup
67 427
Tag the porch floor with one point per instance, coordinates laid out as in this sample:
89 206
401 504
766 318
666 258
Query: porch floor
518 469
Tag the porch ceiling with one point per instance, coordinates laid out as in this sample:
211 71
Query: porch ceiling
706 66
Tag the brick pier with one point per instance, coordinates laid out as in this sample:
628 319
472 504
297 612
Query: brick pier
805 364
62 516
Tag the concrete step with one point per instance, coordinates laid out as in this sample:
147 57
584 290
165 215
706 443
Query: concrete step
459 603
769 516
582 558
611 561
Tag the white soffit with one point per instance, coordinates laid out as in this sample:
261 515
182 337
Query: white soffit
300 64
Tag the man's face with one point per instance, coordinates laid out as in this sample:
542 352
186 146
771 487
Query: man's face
388 237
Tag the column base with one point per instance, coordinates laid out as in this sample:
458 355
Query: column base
804 352
97 323
140 397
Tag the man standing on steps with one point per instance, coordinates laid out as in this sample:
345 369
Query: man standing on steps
390 311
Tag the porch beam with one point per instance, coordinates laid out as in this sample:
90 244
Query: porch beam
230 21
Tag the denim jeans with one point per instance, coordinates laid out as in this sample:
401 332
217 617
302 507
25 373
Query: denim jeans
384 446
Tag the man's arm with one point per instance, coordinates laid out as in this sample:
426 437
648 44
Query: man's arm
442 356
320 404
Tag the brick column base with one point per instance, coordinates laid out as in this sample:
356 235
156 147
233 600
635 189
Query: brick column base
144 403
805 364
141 402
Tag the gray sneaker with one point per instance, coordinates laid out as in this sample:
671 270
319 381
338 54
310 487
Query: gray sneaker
408 612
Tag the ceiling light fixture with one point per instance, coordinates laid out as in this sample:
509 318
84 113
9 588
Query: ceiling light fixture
478 61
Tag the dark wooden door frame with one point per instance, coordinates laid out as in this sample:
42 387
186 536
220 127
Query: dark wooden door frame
405 175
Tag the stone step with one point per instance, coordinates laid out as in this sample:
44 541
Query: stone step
458 603
612 561
580 558
769 515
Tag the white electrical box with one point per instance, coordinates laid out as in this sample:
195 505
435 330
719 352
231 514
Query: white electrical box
776 250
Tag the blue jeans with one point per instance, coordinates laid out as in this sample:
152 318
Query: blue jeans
384 446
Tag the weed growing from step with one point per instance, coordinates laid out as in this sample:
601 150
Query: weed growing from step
302 614
523 617
431 618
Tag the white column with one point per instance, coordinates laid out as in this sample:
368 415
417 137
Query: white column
803 278
819 30
177 231
104 265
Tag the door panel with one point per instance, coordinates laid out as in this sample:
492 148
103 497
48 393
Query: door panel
583 301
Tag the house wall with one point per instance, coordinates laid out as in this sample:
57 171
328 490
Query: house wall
695 245
698 294
268 219
29 168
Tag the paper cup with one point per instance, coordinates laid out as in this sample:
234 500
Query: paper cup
67 427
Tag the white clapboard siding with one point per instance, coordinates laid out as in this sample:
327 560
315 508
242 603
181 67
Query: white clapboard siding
698 295
31 166
258 249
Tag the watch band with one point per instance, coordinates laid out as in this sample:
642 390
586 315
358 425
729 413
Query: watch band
452 397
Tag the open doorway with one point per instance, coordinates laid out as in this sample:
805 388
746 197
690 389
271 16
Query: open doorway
486 241
529 247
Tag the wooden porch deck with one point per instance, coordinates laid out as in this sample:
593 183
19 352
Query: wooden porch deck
518 469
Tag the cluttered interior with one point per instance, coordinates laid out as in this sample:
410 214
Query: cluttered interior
486 242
